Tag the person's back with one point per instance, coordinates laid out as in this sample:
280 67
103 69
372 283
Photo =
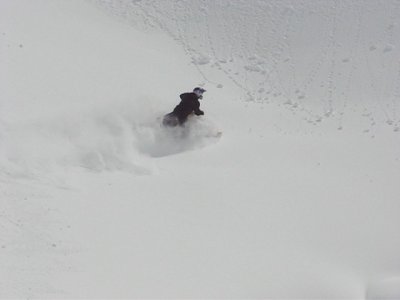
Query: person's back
189 104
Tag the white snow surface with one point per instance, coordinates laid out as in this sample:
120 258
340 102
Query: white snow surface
299 197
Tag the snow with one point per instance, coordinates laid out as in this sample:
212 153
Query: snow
297 199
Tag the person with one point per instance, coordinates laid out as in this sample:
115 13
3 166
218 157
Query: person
189 105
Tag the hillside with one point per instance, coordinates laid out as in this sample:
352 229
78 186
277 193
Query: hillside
297 199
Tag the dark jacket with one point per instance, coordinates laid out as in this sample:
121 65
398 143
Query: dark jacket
189 104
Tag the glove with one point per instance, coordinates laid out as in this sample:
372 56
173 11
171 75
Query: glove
199 112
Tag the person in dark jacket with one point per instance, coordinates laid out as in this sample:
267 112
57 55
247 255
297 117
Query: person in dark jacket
189 105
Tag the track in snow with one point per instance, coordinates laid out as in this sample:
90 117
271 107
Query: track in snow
325 60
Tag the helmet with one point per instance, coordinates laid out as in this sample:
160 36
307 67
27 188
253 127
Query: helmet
199 91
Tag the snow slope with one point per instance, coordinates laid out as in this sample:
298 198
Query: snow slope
298 199
325 60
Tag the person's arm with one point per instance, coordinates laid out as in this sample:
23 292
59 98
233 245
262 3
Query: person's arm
197 110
